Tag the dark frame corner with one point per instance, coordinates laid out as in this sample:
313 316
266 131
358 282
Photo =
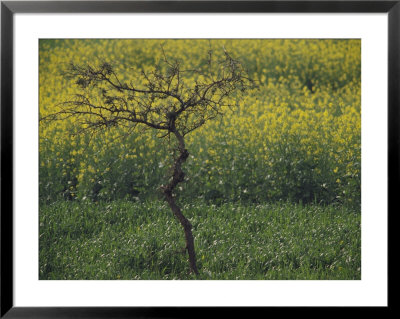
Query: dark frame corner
9 8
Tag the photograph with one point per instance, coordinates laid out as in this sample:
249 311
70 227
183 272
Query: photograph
199 159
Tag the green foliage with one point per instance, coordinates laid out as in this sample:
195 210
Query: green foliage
122 240
273 189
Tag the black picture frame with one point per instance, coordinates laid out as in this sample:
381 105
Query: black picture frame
9 8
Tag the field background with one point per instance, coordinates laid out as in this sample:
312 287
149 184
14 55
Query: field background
272 189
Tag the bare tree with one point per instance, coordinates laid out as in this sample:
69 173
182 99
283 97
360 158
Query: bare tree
173 100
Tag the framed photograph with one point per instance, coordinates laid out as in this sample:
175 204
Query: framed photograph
162 155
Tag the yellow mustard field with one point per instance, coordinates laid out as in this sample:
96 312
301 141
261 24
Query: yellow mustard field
296 137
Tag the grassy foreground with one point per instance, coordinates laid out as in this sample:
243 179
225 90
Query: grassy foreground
128 240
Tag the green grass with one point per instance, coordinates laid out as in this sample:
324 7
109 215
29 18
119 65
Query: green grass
128 240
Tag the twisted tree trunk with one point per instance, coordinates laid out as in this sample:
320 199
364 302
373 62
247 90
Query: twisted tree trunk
178 176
